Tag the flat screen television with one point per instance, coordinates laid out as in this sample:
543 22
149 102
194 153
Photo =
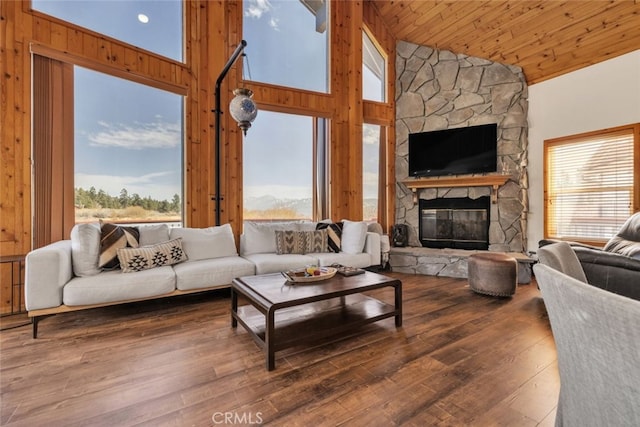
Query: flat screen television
457 151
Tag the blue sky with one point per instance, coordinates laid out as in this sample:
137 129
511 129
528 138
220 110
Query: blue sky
129 135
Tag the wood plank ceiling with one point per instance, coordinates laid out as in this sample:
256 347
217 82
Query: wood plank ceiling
545 38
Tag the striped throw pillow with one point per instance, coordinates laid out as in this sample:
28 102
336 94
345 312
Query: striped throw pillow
334 234
112 238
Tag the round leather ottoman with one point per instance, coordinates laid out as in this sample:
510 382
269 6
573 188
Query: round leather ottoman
493 273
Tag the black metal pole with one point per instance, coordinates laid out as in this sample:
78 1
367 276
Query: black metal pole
217 197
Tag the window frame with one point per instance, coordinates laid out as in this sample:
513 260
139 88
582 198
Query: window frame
319 168
633 129
382 143
385 82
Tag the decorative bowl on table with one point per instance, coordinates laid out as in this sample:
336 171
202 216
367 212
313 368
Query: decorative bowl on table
309 274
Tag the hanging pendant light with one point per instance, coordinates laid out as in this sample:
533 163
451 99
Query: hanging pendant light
243 109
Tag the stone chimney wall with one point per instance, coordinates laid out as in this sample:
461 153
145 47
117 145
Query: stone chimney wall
438 89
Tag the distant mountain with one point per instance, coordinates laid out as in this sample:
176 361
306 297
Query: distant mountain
269 202
302 206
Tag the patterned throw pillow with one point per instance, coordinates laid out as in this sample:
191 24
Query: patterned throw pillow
334 234
290 242
317 241
112 238
145 257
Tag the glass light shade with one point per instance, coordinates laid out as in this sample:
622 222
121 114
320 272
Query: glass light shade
243 109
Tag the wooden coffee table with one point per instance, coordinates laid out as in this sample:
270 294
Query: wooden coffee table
280 314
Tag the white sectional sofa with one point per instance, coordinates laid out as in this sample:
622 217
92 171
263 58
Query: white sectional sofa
64 276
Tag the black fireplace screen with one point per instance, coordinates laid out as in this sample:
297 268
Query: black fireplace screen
455 223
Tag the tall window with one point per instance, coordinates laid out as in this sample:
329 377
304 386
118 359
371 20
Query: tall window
374 80
104 148
152 25
287 42
281 174
589 184
371 137
127 150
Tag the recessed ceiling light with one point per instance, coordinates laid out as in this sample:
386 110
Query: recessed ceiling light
143 18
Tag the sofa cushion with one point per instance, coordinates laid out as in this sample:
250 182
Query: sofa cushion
85 249
273 263
145 257
208 273
306 226
334 234
261 237
112 238
290 242
206 243
354 235
153 233
360 260
114 286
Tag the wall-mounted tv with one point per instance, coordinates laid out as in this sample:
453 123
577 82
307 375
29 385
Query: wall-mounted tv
457 151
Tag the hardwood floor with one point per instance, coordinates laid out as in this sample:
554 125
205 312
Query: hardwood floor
459 359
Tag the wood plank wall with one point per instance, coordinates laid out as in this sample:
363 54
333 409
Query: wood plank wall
213 30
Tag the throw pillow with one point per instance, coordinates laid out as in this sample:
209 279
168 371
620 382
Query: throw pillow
316 241
206 243
85 249
261 237
290 242
354 235
145 257
153 234
112 238
334 234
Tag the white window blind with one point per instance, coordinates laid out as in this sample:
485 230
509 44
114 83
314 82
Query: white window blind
589 185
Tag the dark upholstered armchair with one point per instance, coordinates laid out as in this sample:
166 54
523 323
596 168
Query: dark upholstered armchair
616 267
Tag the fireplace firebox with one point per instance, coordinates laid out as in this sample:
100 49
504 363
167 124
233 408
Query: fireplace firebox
458 223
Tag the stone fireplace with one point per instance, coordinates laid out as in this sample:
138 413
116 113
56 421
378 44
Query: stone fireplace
437 89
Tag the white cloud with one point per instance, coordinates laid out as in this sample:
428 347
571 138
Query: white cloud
274 23
137 136
257 8
370 134
145 185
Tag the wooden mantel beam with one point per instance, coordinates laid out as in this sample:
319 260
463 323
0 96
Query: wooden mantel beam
491 180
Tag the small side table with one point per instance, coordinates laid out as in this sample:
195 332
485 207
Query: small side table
12 283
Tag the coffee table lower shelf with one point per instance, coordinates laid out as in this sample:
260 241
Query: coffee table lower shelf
312 321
